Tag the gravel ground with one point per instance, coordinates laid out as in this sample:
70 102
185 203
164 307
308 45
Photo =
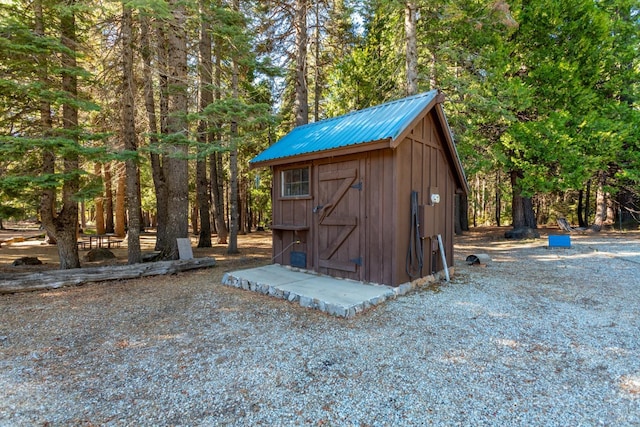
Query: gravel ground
539 337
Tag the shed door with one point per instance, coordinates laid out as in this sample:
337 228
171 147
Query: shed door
339 192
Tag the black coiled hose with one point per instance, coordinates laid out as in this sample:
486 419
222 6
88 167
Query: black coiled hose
415 256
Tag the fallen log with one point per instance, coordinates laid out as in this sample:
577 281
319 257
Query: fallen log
53 279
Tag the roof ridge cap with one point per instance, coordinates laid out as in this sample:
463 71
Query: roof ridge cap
372 107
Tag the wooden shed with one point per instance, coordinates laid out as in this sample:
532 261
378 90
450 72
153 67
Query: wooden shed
364 195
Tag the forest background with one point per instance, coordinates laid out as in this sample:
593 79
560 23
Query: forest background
145 113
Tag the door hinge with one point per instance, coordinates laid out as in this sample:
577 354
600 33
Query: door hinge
357 186
356 261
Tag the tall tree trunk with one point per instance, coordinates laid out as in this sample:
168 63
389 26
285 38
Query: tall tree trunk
121 217
521 207
461 213
611 212
247 204
302 96
159 167
464 212
498 200
140 210
195 218
411 47
206 98
581 221
217 171
317 86
99 202
202 193
83 216
217 194
433 69
529 213
517 205
587 202
134 254
175 163
476 203
242 208
601 202
47 199
159 182
108 199
457 222
67 220
232 247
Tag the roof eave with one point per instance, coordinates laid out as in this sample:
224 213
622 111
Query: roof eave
453 151
307 157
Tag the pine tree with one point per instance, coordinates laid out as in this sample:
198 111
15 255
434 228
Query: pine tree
301 89
175 160
134 254
41 78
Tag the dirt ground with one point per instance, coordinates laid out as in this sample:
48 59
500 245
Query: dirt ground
22 240
541 336
25 239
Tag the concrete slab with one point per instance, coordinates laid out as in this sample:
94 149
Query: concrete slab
272 274
338 297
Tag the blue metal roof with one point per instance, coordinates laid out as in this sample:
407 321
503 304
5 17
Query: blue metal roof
385 121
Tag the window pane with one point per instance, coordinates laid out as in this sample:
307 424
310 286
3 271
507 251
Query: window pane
295 182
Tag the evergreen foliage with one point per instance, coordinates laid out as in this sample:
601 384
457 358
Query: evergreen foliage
540 94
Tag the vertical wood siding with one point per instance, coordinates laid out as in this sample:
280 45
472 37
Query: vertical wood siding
422 166
379 215
290 212
382 208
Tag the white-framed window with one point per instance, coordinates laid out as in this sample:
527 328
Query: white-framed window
295 182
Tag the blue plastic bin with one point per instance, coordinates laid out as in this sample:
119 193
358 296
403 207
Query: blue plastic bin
560 241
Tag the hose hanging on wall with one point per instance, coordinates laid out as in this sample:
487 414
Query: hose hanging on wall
415 256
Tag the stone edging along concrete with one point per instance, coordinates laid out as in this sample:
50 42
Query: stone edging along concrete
235 279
